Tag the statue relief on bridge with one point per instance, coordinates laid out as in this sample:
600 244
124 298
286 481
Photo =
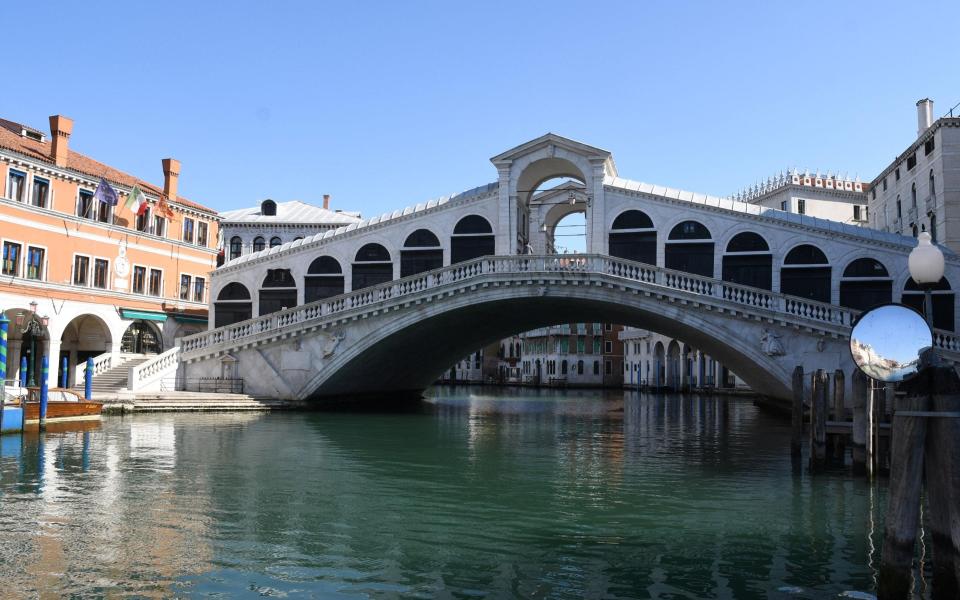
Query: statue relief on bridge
770 344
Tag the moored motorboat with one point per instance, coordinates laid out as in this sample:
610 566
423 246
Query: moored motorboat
62 405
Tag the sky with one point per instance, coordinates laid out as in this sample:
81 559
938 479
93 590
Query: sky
387 104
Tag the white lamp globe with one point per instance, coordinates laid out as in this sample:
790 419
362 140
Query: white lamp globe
925 261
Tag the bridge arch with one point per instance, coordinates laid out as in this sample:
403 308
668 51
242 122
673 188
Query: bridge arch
421 252
472 238
372 265
233 304
633 237
747 260
689 248
324 278
806 272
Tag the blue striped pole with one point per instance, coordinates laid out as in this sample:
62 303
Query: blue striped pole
4 324
64 365
44 389
88 381
23 371
85 457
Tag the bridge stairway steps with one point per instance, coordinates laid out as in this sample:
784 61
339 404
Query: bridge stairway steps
193 401
115 379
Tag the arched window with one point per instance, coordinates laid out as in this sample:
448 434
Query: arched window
259 243
232 305
942 297
268 208
933 228
933 188
596 367
275 241
277 292
579 367
371 266
421 252
913 194
899 208
865 284
324 279
806 273
748 261
236 247
689 248
563 367
633 237
472 238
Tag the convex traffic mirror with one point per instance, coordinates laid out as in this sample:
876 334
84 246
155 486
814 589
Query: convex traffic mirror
887 341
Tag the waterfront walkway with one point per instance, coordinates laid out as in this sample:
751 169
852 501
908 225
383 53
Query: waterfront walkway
171 401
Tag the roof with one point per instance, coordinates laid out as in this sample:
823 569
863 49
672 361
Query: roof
293 211
11 139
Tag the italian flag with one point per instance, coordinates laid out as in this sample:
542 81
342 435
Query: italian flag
136 201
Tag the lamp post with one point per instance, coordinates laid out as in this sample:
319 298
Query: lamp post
926 269
34 328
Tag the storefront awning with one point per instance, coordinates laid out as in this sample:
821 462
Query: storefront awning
190 319
143 315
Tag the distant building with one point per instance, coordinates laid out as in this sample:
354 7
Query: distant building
576 354
273 223
821 195
655 361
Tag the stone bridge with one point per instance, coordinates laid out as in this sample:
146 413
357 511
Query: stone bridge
387 304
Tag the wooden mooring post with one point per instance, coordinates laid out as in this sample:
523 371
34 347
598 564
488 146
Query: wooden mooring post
858 435
796 437
925 441
818 420
838 441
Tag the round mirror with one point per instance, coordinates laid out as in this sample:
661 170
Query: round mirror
887 341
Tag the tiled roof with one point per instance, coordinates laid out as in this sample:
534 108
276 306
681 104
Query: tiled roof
11 139
293 211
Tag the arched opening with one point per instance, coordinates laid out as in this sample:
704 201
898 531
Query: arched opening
865 284
233 305
421 252
659 366
633 237
673 365
259 243
472 238
806 273
236 247
569 235
86 336
141 337
324 279
913 194
689 248
268 208
748 261
372 266
942 300
275 241
277 292
26 338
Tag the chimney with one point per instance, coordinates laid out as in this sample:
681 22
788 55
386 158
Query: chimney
326 201
924 115
60 129
171 171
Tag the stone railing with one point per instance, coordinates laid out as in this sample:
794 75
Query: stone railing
152 372
651 277
101 364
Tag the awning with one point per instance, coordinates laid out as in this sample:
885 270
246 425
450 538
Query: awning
143 315
190 319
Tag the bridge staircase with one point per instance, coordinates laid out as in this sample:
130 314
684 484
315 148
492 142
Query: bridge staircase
114 378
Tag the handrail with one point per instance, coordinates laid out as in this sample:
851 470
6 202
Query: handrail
659 277
153 369
101 364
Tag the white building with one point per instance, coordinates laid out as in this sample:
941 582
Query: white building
652 360
824 196
271 224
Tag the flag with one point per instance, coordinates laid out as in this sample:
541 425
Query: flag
105 193
136 201
164 208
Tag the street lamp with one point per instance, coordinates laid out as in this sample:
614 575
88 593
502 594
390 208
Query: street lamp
926 269
34 328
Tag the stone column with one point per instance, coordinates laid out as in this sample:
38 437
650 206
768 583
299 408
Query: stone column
13 358
596 213
505 228
52 350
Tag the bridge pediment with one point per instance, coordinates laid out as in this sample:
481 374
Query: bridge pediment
551 145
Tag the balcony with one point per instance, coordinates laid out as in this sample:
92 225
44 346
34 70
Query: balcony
930 204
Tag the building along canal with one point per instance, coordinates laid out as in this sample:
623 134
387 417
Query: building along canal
476 492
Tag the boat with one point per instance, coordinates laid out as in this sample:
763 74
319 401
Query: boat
62 405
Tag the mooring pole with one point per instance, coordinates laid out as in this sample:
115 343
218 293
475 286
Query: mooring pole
858 435
796 438
4 324
44 390
839 415
942 463
871 425
64 365
818 422
88 380
23 371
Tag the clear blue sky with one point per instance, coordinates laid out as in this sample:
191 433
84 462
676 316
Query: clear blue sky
388 104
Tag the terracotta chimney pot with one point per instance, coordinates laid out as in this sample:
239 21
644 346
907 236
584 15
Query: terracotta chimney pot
60 129
171 172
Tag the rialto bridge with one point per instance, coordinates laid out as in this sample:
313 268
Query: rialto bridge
385 305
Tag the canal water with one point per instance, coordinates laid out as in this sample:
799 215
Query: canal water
476 493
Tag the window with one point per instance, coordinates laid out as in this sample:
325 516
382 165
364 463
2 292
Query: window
608 327
608 347
884 184
187 230
85 204
564 345
912 161
185 287
104 211
156 282
596 367
142 222
913 194
81 270
596 345
933 188
41 192
928 146
199 283
275 241
581 344
159 226
258 244
801 206
101 273
35 262
856 212
579 367
139 279
608 367
783 206
11 259
236 247
202 233
896 174
16 182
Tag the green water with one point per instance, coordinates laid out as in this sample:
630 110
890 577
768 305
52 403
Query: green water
477 493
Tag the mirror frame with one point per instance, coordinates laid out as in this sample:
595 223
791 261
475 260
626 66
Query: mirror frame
856 320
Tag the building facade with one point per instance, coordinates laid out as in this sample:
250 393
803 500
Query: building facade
659 362
824 196
575 354
81 278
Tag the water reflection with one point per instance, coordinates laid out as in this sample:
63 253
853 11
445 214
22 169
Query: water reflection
516 493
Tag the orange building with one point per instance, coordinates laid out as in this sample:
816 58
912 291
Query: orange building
81 278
